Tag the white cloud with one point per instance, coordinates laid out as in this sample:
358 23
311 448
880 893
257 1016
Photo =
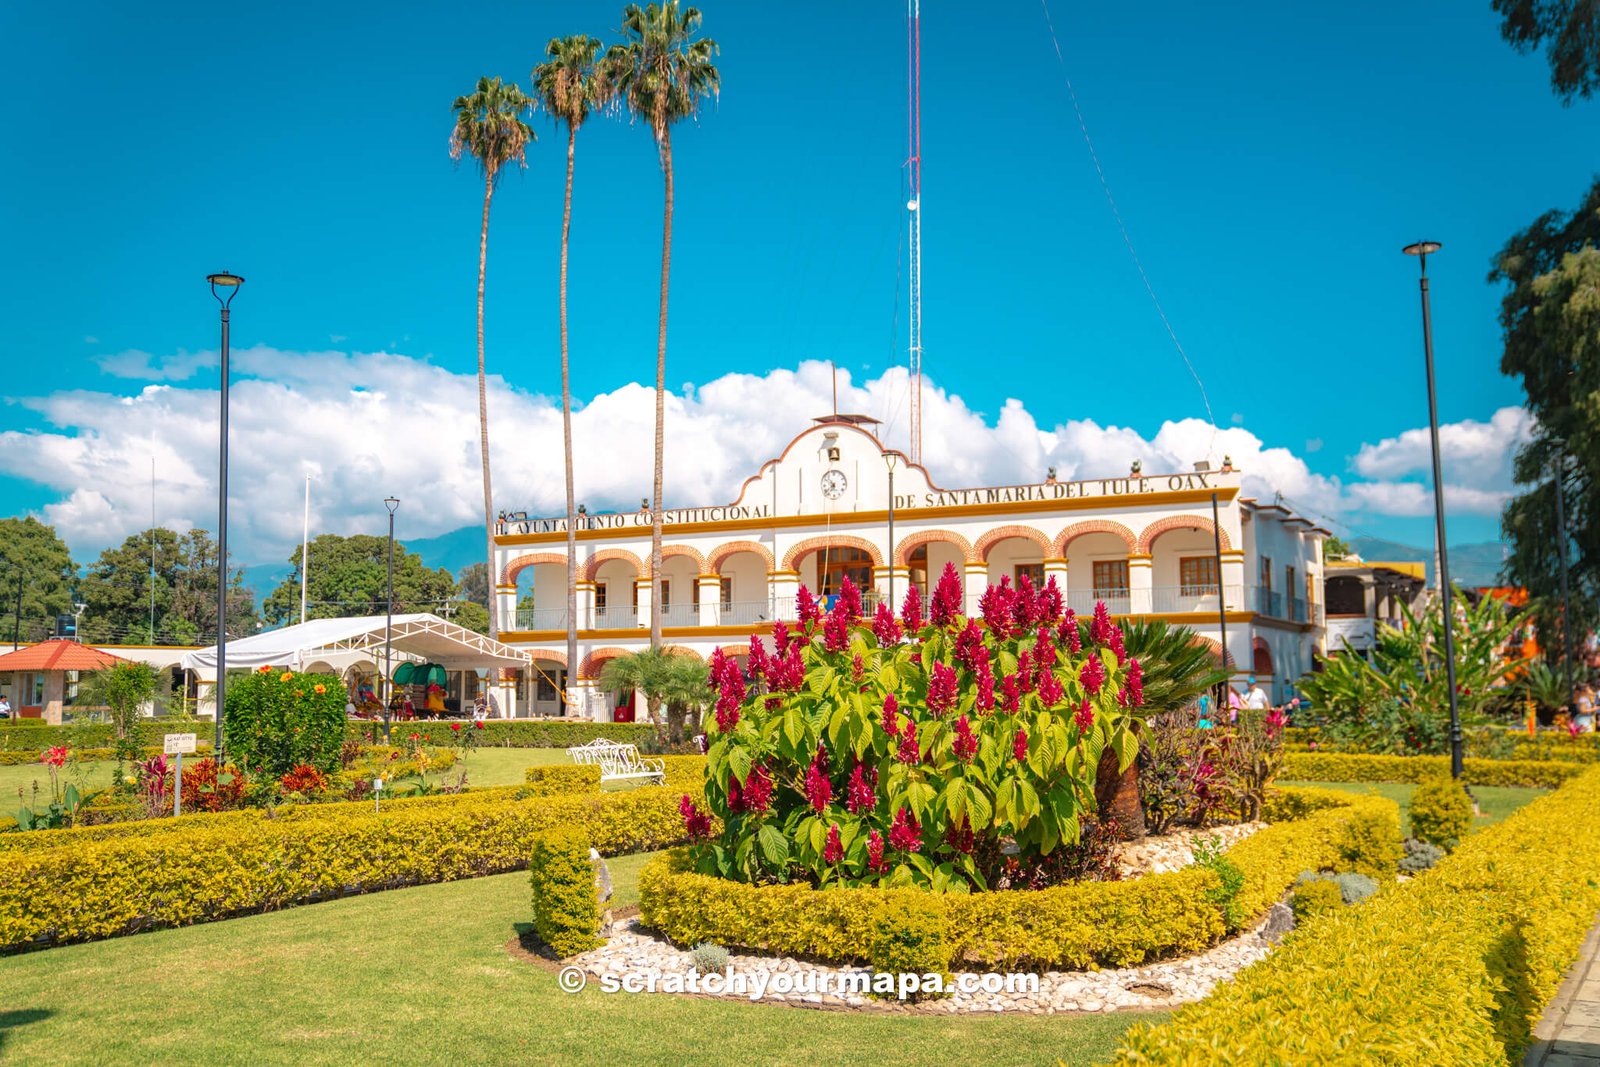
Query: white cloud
1476 458
368 425
144 367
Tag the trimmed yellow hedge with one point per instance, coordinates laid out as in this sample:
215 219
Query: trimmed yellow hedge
683 773
566 903
1349 767
1075 926
19 757
1453 968
94 885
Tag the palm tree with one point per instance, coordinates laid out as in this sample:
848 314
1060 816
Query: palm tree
666 679
1177 666
661 74
567 86
490 129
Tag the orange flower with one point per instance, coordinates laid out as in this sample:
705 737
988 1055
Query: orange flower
263 669
285 676
321 689
299 692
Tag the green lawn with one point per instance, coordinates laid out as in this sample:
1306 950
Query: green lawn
1496 802
422 976
484 767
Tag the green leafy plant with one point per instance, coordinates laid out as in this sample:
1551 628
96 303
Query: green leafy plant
897 752
123 689
1399 701
64 803
1441 812
277 720
1208 854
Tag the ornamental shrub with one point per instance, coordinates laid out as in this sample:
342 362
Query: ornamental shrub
1453 971
910 935
903 751
1441 812
276 720
1420 856
1338 767
566 904
1064 927
1371 844
707 958
1353 887
1314 896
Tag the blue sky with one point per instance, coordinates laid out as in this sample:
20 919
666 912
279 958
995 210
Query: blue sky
1268 160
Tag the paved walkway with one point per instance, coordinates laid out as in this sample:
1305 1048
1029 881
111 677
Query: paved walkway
1568 1034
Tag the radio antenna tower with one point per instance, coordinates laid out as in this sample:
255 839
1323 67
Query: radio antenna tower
914 207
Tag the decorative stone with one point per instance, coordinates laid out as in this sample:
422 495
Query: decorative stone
602 875
1279 921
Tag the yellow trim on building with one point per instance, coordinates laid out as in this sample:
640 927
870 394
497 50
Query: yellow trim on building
844 521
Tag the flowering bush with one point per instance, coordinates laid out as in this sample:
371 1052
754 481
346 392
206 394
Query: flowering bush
304 779
919 750
274 721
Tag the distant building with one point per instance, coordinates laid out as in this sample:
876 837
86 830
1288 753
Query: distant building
1359 595
822 511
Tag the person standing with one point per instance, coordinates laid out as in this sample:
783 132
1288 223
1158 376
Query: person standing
5 707
1256 698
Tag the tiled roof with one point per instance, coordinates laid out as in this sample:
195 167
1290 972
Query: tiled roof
58 656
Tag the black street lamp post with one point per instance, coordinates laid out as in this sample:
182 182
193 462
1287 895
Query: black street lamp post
230 283
1421 250
388 625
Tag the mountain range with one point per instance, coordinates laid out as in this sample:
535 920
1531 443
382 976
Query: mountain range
1471 565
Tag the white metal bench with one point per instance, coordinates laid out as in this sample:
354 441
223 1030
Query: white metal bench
595 750
625 763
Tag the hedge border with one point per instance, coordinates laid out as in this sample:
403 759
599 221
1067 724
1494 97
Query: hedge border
86 887
1454 967
1356 767
1067 927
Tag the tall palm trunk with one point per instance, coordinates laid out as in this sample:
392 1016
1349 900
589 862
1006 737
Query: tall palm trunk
483 410
566 435
661 394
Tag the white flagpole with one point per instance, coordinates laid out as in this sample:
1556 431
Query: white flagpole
305 538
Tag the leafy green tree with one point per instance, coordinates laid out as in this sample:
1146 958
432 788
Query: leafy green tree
469 613
123 689
472 583
116 592
348 577
490 130
1399 701
1568 30
1335 548
567 86
32 549
661 74
1551 326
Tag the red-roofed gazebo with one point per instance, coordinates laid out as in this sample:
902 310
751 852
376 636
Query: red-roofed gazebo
40 675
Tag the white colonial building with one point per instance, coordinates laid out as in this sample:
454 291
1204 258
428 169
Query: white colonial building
822 511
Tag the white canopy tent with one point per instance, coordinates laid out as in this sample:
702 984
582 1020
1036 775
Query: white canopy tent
419 637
